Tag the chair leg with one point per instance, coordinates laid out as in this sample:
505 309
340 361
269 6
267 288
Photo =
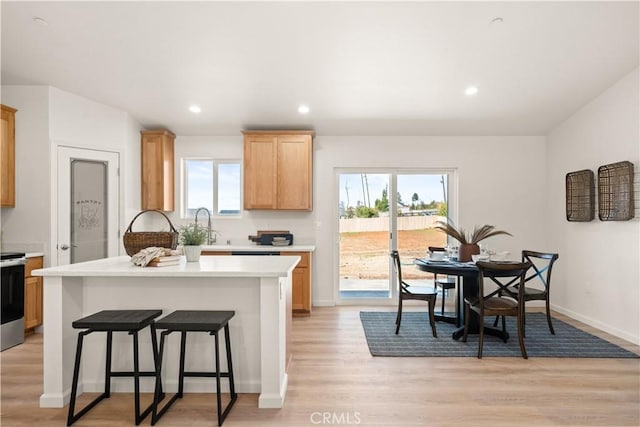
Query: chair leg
457 296
504 329
481 336
549 318
432 318
399 316
218 391
71 417
442 308
74 382
157 390
227 341
183 347
107 368
466 322
523 317
136 379
521 337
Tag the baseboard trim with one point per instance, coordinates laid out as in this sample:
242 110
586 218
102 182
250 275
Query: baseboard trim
597 324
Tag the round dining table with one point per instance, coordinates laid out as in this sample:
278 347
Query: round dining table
469 273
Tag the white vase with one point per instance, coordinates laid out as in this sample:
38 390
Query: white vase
192 252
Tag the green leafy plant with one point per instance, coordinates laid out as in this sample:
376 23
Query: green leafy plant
192 235
479 232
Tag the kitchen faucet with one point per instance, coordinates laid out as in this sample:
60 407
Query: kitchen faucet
209 239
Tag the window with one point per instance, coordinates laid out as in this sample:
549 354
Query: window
213 184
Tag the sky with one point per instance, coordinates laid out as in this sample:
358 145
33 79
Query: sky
427 186
200 181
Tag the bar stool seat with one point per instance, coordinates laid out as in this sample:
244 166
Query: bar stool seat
110 321
184 321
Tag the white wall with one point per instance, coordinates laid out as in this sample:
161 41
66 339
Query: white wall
28 222
501 182
598 274
50 117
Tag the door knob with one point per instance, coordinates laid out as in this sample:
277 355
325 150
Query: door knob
65 247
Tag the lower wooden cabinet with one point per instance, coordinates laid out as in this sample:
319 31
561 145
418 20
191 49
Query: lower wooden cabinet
301 293
301 278
32 294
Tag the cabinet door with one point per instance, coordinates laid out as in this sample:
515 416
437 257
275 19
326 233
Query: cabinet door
294 172
7 158
32 302
157 186
298 289
301 284
260 172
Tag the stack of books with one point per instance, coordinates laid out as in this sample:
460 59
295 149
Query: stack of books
164 261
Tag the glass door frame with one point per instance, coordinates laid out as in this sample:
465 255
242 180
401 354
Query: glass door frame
452 214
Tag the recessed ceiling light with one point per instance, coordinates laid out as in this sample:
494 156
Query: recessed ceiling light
303 109
195 109
40 21
471 90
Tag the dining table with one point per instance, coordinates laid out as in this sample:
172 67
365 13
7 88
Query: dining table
469 273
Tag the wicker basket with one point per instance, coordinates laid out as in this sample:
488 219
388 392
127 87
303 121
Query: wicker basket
135 241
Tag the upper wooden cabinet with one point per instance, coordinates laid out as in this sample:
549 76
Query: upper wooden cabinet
8 157
278 170
157 170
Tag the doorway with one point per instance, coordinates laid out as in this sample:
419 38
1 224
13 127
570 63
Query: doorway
369 227
88 195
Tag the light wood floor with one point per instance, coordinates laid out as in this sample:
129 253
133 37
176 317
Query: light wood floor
333 380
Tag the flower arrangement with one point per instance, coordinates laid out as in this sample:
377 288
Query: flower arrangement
479 233
468 243
192 235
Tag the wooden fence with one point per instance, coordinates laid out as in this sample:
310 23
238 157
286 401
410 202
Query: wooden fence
355 225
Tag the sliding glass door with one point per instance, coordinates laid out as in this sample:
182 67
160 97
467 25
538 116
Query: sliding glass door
364 235
381 211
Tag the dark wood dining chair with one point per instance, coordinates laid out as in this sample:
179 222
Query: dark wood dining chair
540 272
409 292
492 302
446 283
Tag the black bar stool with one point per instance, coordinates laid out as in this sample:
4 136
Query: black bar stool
110 321
184 321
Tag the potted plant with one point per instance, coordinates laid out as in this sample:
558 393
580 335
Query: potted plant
468 243
192 236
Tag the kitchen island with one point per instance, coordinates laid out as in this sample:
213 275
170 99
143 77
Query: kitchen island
257 288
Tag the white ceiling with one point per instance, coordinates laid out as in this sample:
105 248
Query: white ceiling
382 68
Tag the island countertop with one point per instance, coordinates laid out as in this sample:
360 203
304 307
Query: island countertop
208 266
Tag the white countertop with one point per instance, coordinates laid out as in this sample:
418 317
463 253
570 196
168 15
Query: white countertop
208 266
33 254
222 247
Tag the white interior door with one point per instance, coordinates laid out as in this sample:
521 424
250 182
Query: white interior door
88 194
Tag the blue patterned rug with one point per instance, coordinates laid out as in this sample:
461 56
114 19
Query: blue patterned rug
415 339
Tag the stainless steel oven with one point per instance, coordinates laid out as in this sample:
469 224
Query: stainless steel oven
12 298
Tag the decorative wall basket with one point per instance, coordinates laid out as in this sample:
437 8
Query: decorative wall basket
580 196
615 192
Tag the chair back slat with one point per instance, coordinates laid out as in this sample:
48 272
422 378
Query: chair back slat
541 263
395 258
502 274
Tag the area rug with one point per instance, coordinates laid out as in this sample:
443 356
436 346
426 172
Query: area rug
415 339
